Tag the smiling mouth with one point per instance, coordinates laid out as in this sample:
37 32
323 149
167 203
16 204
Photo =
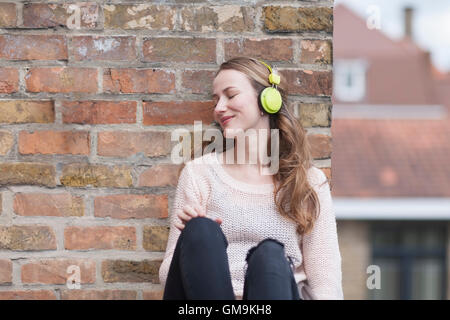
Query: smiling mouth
227 120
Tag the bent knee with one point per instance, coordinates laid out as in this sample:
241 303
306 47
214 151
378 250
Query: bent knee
266 249
201 227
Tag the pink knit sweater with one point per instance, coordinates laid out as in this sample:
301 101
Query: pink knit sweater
249 215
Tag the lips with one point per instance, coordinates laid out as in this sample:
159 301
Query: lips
226 119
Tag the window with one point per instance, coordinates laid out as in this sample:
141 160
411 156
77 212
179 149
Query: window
412 260
350 80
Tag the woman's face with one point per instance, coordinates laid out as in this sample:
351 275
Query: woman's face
234 96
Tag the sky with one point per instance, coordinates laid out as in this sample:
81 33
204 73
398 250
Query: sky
431 23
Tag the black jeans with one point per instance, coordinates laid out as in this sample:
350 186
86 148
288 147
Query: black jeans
199 269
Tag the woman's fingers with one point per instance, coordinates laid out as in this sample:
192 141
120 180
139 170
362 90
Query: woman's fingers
183 216
190 211
179 226
200 211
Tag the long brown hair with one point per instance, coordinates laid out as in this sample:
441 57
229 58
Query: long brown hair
294 196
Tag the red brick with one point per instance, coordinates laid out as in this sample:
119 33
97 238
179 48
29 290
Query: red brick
159 175
45 204
8 18
98 295
127 80
179 112
61 79
97 48
197 81
153 295
125 143
320 146
29 173
33 47
43 15
100 238
316 51
28 295
99 112
186 50
265 49
308 82
5 271
54 271
9 80
126 206
54 142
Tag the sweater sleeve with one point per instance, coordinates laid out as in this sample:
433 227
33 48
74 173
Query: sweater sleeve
320 247
186 193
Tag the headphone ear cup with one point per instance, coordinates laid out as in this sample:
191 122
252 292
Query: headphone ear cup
270 99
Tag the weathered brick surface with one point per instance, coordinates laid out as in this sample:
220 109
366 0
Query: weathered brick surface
179 50
140 16
125 144
101 238
266 49
320 145
57 271
62 79
130 271
5 271
126 80
33 47
126 206
99 112
103 48
8 18
43 15
98 295
290 19
44 204
315 114
92 92
54 142
179 112
28 295
96 175
159 175
228 18
316 51
155 238
27 111
27 173
6 142
29 237
9 80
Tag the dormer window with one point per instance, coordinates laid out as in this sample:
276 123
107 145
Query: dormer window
350 80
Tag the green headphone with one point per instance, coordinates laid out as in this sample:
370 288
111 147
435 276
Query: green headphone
270 98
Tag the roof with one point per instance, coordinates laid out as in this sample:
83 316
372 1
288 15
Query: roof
390 158
399 72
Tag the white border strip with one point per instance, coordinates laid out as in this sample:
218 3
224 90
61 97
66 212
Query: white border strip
392 208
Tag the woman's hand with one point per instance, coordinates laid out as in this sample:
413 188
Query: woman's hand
190 212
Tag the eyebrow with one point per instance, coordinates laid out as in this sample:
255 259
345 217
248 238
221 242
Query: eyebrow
215 95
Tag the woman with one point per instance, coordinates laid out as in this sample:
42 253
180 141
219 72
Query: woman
239 234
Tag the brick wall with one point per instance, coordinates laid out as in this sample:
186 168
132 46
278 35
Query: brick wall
90 93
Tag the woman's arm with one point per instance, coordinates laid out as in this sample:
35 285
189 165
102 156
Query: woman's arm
320 248
186 193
